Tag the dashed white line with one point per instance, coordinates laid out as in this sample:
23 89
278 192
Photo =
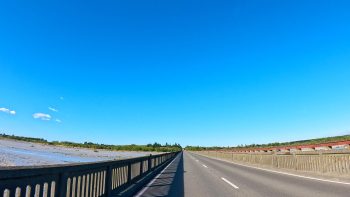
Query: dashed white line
228 182
204 166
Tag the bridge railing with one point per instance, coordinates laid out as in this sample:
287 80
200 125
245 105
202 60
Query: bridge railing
336 163
334 145
77 180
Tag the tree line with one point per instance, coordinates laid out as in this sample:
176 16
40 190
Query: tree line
293 143
155 147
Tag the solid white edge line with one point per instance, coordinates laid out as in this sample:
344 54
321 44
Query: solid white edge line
228 182
154 179
278 172
204 166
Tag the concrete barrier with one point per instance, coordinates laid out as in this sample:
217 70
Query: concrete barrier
332 163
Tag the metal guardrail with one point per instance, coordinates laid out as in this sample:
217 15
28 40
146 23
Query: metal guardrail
78 180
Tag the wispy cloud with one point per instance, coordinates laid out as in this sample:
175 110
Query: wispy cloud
53 109
8 111
61 98
58 120
42 116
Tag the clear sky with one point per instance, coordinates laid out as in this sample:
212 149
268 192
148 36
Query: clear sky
193 72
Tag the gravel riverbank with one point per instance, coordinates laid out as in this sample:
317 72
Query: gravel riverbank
20 153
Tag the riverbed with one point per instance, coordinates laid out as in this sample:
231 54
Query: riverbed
20 153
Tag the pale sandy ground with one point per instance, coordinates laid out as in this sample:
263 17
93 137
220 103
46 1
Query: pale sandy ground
19 153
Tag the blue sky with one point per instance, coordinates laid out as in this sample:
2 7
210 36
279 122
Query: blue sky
193 72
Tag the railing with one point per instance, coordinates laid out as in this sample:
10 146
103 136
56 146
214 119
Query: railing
77 180
324 163
328 145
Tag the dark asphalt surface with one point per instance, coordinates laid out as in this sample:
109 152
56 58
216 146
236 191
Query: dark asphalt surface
194 175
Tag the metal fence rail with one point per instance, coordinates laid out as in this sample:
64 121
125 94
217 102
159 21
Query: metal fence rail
77 180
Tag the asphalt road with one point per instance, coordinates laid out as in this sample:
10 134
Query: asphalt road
194 175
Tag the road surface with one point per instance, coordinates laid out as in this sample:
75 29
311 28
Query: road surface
193 175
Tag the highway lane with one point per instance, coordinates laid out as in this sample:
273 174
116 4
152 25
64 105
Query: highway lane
195 175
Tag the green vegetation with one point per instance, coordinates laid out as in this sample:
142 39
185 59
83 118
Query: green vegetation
155 147
294 143
27 139
171 147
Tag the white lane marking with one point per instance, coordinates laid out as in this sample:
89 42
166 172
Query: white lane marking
228 182
155 178
284 173
197 160
204 166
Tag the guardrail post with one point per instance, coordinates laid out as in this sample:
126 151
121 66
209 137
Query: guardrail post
150 162
108 186
129 173
141 167
62 185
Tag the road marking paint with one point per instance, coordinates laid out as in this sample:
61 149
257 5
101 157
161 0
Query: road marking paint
204 166
155 178
284 173
228 182
197 160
